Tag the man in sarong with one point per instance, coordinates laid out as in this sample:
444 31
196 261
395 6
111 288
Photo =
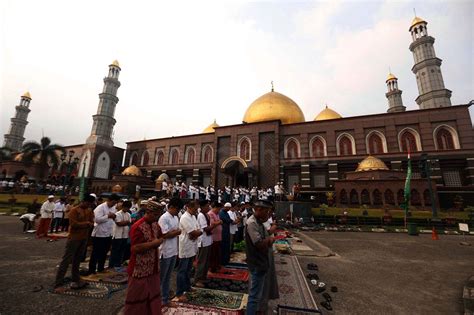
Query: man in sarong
143 293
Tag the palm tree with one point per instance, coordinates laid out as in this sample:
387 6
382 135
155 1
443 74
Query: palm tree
5 153
44 153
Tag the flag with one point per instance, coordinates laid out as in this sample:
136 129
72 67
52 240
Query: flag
407 184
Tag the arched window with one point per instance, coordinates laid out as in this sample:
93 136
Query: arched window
415 197
445 139
134 159
401 196
292 148
365 197
317 147
160 157
377 197
207 154
427 197
345 145
174 157
244 149
354 197
376 143
190 153
409 140
145 158
389 198
343 197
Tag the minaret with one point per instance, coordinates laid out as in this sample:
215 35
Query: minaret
394 95
427 68
14 139
104 121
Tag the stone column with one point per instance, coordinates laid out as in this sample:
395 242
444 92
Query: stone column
179 174
305 176
333 173
196 176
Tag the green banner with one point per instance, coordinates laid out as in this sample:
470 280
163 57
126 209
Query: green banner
407 185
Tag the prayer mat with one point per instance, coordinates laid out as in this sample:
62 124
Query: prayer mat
293 287
107 276
94 290
58 235
233 265
188 309
230 274
289 310
219 299
238 257
227 285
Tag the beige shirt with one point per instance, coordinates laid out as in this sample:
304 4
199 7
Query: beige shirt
47 209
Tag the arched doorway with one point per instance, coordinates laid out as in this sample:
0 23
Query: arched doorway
239 173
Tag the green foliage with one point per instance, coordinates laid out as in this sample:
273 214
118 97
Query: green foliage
239 247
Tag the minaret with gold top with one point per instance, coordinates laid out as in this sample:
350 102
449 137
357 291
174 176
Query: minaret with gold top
427 68
15 136
394 95
104 120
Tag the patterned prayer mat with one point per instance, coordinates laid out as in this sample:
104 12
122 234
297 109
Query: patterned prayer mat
94 290
234 265
288 310
108 276
219 299
238 257
58 235
227 285
230 274
293 288
188 309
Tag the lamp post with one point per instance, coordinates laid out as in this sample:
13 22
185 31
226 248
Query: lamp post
69 164
82 185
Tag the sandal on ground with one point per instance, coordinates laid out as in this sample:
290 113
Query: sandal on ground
37 288
326 305
334 289
320 290
312 267
312 276
327 297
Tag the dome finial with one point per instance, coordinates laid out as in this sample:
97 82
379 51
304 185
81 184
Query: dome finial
273 90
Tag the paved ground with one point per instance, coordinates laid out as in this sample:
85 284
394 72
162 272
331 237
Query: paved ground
385 273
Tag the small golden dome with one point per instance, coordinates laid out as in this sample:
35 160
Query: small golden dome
417 21
163 177
132 170
327 114
274 106
371 163
27 95
115 63
210 128
391 77
117 189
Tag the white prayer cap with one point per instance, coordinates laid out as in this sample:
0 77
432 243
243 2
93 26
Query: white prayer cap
163 203
94 195
143 202
228 205
51 197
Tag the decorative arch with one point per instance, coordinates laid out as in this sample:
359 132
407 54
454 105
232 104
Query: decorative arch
244 148
145 160
234 158
427 197
343 197
446 138
409 138
292 148
365 197
160 157
317 147
174 156
133 159
415 198
400 196
375 142
207 154
190 155
102 166
85 164
389 197
354 197
345 144
377 197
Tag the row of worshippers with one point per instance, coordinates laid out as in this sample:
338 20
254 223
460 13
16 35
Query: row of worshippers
161 237
54 216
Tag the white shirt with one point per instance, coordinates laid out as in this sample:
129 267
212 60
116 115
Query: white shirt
233 227
204 240
121 232
164 186
268 223
169 247
58 210
187 247
47 210
29 216
103 225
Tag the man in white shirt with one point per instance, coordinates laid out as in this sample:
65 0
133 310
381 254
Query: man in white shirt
58 214
104 215
169 225
205 242
233 226
120 235
188 248
46 215
278 192
28 220
164 188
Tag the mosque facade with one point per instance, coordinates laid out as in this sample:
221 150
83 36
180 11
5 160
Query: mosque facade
275 143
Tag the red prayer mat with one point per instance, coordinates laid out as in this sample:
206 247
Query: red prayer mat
189 309
230 274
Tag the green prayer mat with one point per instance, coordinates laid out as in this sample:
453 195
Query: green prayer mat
219 299
94 290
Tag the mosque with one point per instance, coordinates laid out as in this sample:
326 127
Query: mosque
276 143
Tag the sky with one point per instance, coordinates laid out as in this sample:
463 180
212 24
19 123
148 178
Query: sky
186 63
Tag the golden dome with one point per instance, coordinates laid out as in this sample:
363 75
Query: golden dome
19 158
27 95
163 177
327 114
391 77
371 163
274 106
417 21
132 170
117 189
210 128
115 63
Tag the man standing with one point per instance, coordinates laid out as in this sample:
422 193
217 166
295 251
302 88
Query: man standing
225 243
81 219
263 282
46 215
215 250
58 214
120 235
233 228
169 225
104 216
143 292
205 243
188 247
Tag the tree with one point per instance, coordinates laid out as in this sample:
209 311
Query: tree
44 153
5 154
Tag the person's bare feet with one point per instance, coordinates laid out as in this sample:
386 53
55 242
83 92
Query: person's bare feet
182 298
199 284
